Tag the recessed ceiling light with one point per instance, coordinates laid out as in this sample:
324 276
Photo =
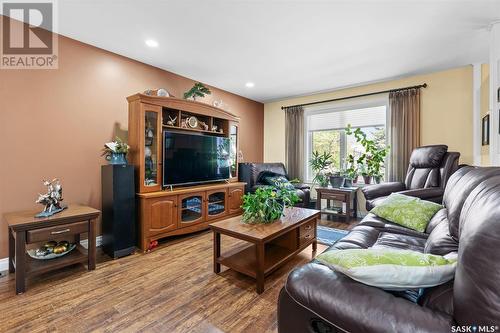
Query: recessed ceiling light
151 43
249 84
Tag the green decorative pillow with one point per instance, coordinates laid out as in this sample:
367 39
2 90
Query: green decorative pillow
410 212
278 181
392 269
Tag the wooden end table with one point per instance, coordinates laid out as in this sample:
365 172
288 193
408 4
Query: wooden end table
345 195
24 228
272 245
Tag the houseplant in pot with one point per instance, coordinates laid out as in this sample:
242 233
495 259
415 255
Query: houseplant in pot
374 156
351 171
337 179
320 162
267 204
115 152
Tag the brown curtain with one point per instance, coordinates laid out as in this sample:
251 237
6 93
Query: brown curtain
404 130
294 141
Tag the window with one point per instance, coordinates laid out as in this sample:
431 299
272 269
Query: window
325 131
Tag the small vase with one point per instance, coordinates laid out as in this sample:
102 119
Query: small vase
117 159
367 179
347 182
377 180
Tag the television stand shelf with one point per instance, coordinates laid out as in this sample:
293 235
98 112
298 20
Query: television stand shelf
165 211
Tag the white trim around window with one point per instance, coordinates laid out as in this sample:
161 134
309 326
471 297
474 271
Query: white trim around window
382 100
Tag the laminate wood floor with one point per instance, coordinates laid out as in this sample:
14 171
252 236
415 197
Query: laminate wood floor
172 289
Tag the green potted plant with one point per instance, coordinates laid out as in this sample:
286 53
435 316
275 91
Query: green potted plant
337 178
115 152
267 204
319 163
351 171
373 158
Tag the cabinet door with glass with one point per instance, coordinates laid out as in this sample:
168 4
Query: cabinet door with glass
191 209
216 204
233 149
151 136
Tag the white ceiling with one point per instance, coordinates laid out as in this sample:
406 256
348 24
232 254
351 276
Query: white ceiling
287 48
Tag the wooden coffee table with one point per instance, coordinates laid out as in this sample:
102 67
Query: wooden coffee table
272 245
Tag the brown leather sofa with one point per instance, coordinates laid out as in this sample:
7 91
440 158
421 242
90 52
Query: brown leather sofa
250 172
429 170
317 299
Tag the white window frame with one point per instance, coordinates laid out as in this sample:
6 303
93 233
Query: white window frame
364 103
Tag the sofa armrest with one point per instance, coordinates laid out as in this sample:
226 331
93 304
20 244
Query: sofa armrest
301 186
382 190
425 193
315 292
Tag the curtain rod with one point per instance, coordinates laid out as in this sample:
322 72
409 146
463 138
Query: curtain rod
356 96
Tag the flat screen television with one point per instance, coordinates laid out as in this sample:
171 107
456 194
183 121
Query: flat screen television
194 158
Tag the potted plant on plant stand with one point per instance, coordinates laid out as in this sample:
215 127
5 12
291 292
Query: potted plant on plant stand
267 204
319 163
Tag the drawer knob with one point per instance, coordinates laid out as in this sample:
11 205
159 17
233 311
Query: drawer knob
308 227
307 236
60 231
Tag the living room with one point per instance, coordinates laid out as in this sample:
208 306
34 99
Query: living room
238 166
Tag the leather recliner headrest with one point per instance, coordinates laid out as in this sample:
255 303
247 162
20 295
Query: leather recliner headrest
428 156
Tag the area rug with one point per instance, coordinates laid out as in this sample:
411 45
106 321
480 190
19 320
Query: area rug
329 236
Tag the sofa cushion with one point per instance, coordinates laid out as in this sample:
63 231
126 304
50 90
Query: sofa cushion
392 269
390 240
439 241
476 297
428 156
439 298
407 211
460 185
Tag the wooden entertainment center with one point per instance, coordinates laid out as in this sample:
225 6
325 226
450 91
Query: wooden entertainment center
165 212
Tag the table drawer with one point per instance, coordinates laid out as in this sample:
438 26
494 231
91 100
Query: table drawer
334 196
44 234
306 237
307 228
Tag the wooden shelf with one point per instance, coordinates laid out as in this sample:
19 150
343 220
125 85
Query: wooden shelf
38 266
244 259
194 130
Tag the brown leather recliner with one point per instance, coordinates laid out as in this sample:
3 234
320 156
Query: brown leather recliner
250 172
429 170
318 299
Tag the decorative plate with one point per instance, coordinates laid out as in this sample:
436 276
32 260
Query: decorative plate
192 122
32 254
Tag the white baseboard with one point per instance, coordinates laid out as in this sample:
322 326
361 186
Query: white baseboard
4 262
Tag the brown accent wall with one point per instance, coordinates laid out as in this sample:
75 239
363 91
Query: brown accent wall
53 123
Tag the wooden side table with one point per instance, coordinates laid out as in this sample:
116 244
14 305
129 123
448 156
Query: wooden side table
345 195
24 228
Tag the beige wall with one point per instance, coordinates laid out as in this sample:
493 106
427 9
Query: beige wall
53 123
446 111
485 106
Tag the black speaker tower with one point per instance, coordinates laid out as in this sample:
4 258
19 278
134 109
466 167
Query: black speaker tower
119 227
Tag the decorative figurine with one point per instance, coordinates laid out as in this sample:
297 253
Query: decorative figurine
183 123
214 128
204 125
171 121
52 199
161 92
198 90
